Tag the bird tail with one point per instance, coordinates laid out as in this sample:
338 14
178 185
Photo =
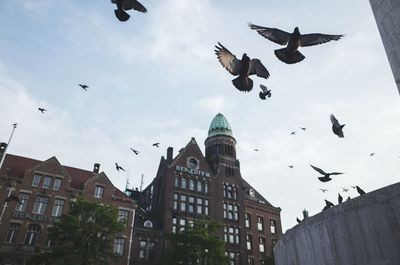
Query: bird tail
289 57
121 15
243 83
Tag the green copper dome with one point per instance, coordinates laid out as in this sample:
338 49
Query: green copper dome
219 126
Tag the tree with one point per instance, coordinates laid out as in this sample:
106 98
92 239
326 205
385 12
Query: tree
84 236
197 244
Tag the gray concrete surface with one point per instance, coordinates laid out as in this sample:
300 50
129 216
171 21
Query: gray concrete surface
387 17
362 231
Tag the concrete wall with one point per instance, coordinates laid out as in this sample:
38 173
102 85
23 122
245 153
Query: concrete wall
361 231
387 16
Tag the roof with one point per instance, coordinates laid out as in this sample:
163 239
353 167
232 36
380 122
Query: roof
219 126
251 194
16 166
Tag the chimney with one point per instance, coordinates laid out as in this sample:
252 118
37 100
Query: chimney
96 168
170 152
3 147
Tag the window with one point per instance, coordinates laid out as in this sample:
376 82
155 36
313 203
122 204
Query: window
146 249
176 182
36 180
119 244
260 223
123 216
191 204
249 243
183 202
206 187
58 207
250 260
142 250
234 258
191 185
231 211
49 242
230 191
247 220
47 182
98 192
174 223
40 205
273 226
231 234
261 241
205 207
32 235
57 184
176 197
13 229
148 224
183 183
199 206
273 241
23 198
199 186
182 224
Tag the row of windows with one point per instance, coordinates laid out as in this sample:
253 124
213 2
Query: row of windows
190 184
260 223
234 257
40 205
33 233
230 191
147 249
231 211
47 182
179 224
222 149
191 204
231 234
261 243
229 171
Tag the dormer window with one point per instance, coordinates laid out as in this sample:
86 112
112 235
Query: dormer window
98 192
251 193
192 163
148 224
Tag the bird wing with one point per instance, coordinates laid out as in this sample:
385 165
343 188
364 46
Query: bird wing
136 5
273 34
257 68
228 60
318 170
264 88
335 173
317 38
334 121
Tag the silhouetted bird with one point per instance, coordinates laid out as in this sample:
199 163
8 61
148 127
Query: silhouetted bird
243 68
256 150
291 166
292 133
340 198
118 167
326 176
345 190
42 110
84 87
323 190
348 198
290 54
156 144
12 197
264 93
336 127
298 220
123 5
372 154
359 190
135 151
303 128
328 205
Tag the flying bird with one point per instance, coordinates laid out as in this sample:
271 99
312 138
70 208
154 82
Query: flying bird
243 68
256 150
345 190
123 5
323 190
359 190
293 133
135 151
303 128
12 197
291 166
340 198
156 144
264 93
336 127
118 167
293 41
42 110
372 154
326 176
84 87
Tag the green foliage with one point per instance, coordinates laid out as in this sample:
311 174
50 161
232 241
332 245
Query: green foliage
82 237
197 244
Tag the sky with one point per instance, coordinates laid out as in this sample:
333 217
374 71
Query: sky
155 78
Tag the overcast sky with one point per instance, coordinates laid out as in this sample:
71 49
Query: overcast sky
156 78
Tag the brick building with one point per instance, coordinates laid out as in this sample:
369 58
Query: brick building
46 189
191 186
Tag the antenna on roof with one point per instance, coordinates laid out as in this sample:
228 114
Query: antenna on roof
141 183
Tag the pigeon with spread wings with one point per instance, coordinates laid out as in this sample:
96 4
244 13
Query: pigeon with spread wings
337 128
123 5
264 93
243 68
293 41
326 176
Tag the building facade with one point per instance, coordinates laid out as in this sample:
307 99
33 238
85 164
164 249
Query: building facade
386 13
45 190
192 186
